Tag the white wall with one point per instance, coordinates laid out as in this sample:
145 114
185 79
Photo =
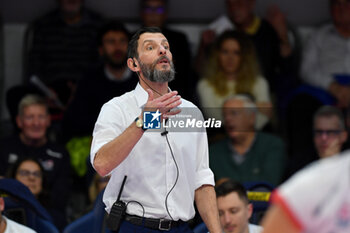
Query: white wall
13 47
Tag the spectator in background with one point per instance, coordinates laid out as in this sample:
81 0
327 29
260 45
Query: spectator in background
9 226
325 60
234 208
329 137
233 70
62 45
329 131
102 82
154 13
29 172
246 155
33 121
276 54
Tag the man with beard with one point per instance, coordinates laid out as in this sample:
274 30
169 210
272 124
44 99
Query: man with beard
108 79
166 171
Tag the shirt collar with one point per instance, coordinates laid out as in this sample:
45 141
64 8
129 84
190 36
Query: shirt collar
141 95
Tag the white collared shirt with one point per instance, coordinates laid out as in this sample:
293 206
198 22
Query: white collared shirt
150 168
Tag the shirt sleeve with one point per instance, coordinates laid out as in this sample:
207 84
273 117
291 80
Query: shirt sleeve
312 71
204 175
277 199
110 124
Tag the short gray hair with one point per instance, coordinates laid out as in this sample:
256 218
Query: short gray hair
29 100
248 102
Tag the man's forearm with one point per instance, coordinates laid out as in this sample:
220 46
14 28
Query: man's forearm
114 152
206 204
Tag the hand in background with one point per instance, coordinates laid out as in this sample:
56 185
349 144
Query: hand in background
341 93
278 21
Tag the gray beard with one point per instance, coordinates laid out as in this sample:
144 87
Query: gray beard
158 76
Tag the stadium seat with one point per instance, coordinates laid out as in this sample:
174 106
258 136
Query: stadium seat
22 207
259 195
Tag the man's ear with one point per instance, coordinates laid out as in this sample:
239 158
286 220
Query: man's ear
48 120
344 136
2 204
133 64
250 209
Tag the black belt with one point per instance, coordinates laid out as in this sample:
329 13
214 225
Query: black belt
152 223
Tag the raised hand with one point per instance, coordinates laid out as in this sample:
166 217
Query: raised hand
166 104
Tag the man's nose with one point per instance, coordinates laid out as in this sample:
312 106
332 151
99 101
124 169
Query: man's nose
324 136
227 218
162 50
36 121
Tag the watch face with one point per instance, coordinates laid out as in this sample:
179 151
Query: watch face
139 123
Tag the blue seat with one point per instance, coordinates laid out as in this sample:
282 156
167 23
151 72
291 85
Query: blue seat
323 96
21 206
259 195
92 222
200 228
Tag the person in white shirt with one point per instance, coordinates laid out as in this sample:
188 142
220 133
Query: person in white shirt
234 208
9 226
166 172
326 57
316 199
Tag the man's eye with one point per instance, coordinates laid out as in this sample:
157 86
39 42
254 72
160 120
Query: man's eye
149 47
166 46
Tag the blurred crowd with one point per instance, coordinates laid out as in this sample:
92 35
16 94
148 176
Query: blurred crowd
283 104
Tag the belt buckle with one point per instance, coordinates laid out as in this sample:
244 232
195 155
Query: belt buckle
164 228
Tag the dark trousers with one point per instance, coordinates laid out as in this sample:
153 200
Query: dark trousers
128 227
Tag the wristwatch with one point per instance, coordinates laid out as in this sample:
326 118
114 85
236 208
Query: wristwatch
139 123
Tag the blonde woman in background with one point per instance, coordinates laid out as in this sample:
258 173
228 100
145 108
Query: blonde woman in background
233 69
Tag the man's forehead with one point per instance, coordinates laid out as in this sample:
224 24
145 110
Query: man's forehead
152 37
322 120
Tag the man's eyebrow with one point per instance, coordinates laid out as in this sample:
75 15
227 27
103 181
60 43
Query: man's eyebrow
146 41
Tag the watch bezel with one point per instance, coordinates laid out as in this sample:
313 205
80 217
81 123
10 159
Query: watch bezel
139 123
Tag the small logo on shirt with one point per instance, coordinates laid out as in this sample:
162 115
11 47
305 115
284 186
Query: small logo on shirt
48 165
12 158
151 120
